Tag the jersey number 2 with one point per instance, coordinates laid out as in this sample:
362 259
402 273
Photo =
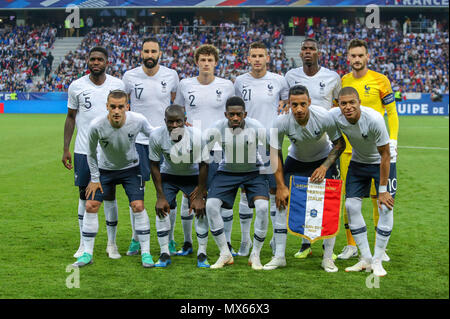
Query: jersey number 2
192 99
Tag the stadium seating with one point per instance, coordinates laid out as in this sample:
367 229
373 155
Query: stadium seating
413 62
23 52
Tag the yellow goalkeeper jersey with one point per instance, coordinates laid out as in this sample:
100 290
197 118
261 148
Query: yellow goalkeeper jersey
375 91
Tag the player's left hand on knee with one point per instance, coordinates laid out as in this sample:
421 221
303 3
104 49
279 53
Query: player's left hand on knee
198 205
162 208
91 189
385 199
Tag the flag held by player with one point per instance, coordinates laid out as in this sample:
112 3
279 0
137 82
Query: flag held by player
314 209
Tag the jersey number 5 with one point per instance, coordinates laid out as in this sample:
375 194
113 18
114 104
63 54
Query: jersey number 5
87 103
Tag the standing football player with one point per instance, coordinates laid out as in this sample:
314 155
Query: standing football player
151 87
375 91
204 98
87 100
263 92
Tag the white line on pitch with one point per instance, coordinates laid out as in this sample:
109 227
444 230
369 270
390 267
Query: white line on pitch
425 148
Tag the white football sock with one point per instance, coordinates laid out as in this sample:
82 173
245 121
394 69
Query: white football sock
384 229
90 230
186 220
173 221
328 243
357 225
111 217
142 230
133 229
201 228
162 232
81 210
227 216
213 208
272 214
261 223
245 218
280 233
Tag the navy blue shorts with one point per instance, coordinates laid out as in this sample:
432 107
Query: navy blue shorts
130 179
144 161
359 179
270 178
213 166
297 168
225 185
81 169
172 184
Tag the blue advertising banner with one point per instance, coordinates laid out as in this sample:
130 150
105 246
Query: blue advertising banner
415 104
43 4
27 96
422 104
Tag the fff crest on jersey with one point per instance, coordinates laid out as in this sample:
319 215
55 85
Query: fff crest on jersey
164 86
270 88
219 95
366 89
322 87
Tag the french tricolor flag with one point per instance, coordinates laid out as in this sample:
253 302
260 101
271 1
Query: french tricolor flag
314 209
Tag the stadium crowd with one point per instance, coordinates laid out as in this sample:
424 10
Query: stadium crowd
23 53
413 62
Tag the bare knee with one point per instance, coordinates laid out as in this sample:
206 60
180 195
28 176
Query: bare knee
92 206
137 206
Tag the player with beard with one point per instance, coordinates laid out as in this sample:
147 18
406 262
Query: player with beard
87 100
375 91
151 87
323 86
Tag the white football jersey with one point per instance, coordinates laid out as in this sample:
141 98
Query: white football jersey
90 102
242 152
117 145
205 104
365 136
180 158
262 95
311 142
323 87
150 95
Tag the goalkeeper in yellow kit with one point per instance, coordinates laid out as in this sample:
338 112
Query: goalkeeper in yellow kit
375 91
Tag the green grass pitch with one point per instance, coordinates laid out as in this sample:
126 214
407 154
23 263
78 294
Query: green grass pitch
39 231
